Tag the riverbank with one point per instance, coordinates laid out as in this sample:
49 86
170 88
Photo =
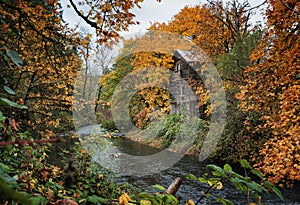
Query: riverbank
156 143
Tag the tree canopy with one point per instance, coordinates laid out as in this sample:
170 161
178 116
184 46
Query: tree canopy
272 91
41 56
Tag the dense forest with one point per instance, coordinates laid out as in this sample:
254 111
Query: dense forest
44 61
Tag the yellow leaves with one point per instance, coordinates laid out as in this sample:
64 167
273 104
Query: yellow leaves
145 202
83 151
124 199
190 202
56 170
107 17
203 99
42 76
209 110
155 49
32 183
85 42
218 184
54 123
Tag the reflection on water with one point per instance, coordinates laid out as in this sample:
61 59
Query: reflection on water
187 165
127 162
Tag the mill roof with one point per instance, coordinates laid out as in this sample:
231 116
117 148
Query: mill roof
187 56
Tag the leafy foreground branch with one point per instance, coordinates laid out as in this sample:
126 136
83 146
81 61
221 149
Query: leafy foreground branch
253 190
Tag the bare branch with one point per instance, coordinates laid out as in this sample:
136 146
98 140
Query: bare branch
259 5
85 18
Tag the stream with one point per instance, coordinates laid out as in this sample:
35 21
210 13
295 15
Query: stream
187 165
190 189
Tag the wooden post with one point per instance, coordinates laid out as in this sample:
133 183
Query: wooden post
174 186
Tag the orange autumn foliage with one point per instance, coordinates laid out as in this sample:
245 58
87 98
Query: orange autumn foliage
216 28
273 90
154 53
44 81
48 49
198 25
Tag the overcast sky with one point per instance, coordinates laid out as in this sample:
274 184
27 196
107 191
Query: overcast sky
152 11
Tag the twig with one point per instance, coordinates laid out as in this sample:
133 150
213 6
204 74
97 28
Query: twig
259 5
85 18
204 195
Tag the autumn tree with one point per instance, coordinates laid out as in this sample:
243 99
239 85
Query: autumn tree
221 30
272 92
107 84
152 51
225 32
35 31
44 81
214 27
198 25
108 18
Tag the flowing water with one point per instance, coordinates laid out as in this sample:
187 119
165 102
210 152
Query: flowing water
191 189
187 165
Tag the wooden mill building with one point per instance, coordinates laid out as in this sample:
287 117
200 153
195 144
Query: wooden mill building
183 82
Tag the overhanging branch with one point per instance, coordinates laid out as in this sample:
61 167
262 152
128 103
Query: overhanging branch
85 18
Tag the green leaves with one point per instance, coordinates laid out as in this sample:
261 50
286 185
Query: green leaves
268 185
227 168
37 200
257 173
14 56
242 183
10 193
7 102
4 175
157 199
218 171
157 186
224 201
9 90
191 176
97 200
245 164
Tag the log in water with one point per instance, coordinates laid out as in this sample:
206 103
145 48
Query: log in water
174 186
